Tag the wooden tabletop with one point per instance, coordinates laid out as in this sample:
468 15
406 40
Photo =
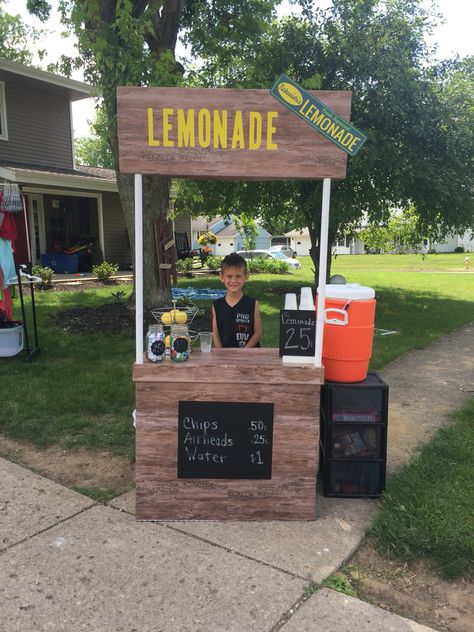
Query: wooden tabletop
244 365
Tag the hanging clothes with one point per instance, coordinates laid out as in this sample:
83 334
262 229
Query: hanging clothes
8 227
7 264
5 300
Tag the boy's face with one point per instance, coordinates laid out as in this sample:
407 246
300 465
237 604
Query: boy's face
234 277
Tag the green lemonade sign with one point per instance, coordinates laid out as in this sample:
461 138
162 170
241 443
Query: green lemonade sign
318 115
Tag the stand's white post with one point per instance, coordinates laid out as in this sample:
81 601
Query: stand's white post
323 252
139 268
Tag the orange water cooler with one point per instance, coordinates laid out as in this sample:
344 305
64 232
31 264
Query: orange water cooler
348 332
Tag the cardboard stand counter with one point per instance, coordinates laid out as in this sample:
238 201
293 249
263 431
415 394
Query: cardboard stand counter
232 434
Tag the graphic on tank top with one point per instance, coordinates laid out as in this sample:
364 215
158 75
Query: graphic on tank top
242 328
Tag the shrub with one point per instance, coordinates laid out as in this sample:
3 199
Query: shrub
214 263
276 267
431 251
459 249
184 265
267 266
46 274
104 271
256 266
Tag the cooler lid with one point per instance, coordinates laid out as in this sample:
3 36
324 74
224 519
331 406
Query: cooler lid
352 291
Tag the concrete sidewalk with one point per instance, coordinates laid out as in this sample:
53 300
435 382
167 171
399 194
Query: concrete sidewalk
67 563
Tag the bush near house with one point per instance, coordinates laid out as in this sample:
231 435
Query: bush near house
214 263
267 266
46 276
105 270
184 265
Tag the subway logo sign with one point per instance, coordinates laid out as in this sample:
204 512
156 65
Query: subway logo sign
318 115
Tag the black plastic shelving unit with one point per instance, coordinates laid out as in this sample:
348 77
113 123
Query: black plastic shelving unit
354 437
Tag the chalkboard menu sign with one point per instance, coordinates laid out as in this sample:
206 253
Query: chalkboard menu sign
297 332
224 440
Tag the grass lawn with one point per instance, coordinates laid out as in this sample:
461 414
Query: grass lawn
427 511
78 391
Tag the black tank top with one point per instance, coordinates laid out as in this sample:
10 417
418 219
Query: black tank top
235 324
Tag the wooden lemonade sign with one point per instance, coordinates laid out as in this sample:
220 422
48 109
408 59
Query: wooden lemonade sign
223 133
318 114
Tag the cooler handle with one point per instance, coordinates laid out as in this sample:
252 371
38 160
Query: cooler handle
336 321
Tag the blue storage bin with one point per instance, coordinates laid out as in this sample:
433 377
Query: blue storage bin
60 263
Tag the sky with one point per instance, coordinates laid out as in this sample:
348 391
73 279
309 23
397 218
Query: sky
454 36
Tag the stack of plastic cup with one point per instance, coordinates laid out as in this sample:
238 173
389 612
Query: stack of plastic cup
290 301
307 299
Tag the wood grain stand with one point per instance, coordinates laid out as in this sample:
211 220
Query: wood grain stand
227 375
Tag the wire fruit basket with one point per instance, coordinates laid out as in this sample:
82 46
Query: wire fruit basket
190 311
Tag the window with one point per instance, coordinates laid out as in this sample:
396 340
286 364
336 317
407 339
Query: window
344 242
3 113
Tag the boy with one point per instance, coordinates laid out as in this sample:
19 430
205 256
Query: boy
236 318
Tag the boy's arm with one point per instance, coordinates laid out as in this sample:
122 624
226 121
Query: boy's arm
257 328
215 331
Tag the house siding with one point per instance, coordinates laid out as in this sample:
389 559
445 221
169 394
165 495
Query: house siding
116 244
182 224
39 127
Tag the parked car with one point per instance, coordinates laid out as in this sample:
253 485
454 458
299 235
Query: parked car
270 254
286 250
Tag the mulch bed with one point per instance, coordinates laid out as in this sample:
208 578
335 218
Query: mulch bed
113 318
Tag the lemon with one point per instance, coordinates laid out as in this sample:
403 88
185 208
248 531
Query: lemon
167 318
180 317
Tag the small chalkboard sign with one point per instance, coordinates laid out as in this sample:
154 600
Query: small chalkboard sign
297 332
224 440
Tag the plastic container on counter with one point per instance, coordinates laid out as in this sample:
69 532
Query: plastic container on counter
155 343
180 343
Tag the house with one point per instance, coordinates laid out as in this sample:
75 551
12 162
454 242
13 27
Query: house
450 244
301 242
66 205
228 238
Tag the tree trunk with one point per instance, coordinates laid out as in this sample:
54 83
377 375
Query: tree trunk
156 195
156 191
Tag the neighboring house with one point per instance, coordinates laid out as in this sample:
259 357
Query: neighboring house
465 241
228 238
65 204
301 242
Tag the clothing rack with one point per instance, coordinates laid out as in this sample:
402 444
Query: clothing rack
23 274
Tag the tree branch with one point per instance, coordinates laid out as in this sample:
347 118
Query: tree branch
139 7
166 25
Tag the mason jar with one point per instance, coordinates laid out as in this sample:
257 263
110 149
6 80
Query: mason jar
155 343
180 343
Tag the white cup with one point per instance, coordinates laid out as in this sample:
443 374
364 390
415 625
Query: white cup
307 299
290 301
205 339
